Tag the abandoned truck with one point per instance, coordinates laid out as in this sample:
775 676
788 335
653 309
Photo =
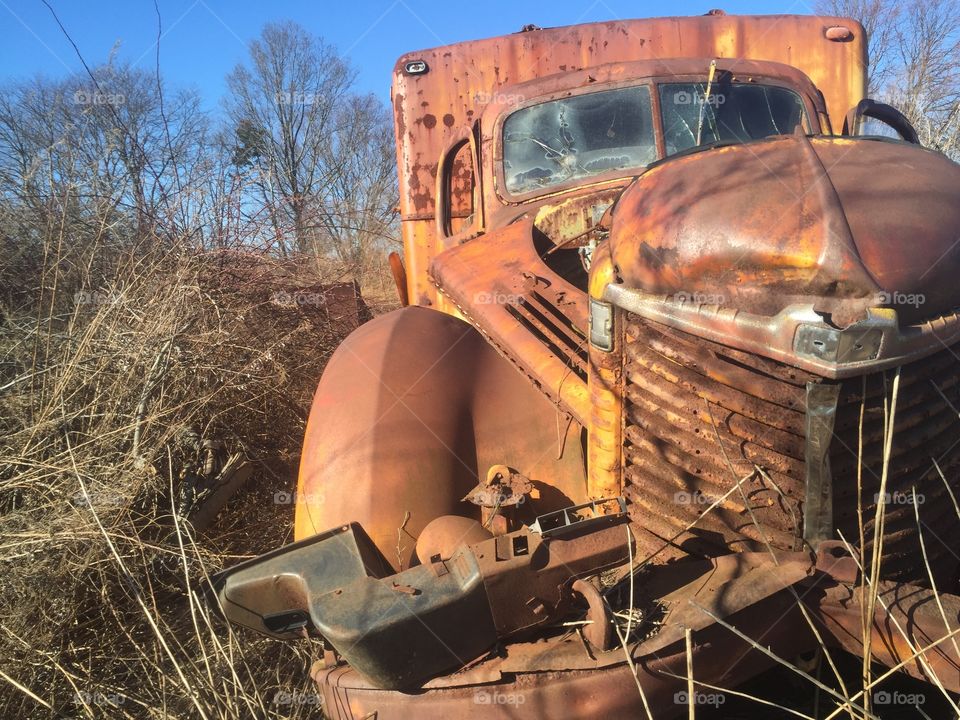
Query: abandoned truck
673 394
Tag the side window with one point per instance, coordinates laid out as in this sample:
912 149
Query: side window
458 190
871 127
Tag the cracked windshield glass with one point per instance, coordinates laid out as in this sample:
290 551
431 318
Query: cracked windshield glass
703 113
576 137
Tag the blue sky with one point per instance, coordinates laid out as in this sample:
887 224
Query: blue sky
204 39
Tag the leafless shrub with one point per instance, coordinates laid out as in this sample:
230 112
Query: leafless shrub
94 596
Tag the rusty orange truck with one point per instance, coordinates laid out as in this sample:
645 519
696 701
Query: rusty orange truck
674 381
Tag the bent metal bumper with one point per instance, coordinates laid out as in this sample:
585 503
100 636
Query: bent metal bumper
441 640
721 602
799 335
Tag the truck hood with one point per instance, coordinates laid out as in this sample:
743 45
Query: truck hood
843 223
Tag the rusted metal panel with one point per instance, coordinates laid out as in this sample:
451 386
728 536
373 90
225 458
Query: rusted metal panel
399 630
907 619
558 678
533 317
699 417
697 421
913 628
411 410
925 430
693 225
453 84
606 384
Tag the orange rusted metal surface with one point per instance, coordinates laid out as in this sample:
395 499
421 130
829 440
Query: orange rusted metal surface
433 106
535 321
605 447
559 677
396 437
399 273
908 631
819 236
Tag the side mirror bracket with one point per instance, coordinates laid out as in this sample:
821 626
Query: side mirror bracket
888 115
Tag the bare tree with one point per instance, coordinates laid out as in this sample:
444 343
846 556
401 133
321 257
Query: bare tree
914 61
91 160
357 212
100 142
318 156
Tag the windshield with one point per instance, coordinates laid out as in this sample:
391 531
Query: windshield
577 137
730 113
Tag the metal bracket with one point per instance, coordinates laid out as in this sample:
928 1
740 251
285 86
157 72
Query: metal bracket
818 509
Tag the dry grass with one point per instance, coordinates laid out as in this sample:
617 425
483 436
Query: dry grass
110 376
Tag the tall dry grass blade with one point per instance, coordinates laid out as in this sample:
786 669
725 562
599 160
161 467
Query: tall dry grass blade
781 661
953 497
930 577
691 699
878 529
916 654
623 638
26 691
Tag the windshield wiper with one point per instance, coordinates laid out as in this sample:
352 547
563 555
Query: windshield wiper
706 99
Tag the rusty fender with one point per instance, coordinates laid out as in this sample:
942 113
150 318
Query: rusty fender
913 629
411 410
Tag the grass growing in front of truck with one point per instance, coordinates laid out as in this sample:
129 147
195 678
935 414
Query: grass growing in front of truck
108 381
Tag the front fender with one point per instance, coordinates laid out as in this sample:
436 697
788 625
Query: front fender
411 410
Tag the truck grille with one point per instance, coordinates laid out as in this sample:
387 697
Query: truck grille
698 416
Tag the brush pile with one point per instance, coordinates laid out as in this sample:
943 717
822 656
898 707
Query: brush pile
122 381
